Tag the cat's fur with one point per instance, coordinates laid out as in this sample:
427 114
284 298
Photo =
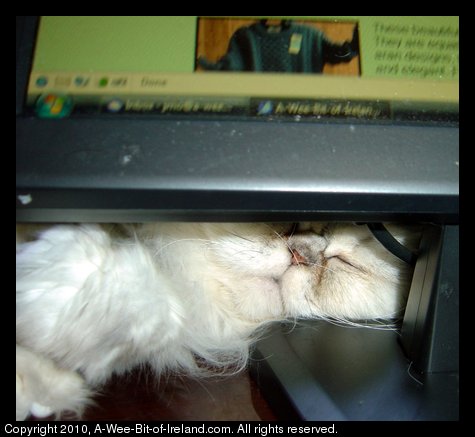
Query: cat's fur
95 300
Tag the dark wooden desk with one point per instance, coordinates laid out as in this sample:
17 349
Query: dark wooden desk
141 397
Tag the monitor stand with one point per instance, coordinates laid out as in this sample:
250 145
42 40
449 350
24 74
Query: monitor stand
314 370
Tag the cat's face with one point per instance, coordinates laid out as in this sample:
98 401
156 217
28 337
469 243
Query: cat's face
312 270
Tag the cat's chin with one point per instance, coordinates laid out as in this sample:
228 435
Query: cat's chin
297 285
277 298
263 304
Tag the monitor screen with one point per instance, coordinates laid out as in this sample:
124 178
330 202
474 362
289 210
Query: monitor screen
293 68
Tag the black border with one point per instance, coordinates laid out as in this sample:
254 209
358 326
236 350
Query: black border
26 31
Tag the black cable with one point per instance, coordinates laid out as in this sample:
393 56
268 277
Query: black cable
391 244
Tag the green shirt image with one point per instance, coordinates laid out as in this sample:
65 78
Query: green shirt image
291 48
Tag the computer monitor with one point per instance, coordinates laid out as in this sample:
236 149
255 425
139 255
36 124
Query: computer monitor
130 119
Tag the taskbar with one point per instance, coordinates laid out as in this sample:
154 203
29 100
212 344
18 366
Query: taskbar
61 105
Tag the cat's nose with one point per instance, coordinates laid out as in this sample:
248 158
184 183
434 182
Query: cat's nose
297 259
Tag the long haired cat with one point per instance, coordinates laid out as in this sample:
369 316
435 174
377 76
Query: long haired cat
95 300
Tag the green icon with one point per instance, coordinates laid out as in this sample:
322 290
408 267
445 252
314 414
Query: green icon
42 81
103 82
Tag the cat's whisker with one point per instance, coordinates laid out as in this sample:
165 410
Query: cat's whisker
241 237
162 248
322 266
379 324
282 238
286 242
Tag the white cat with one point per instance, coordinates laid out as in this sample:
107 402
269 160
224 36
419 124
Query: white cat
96 300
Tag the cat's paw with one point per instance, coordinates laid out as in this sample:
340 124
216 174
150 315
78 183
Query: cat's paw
43 389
